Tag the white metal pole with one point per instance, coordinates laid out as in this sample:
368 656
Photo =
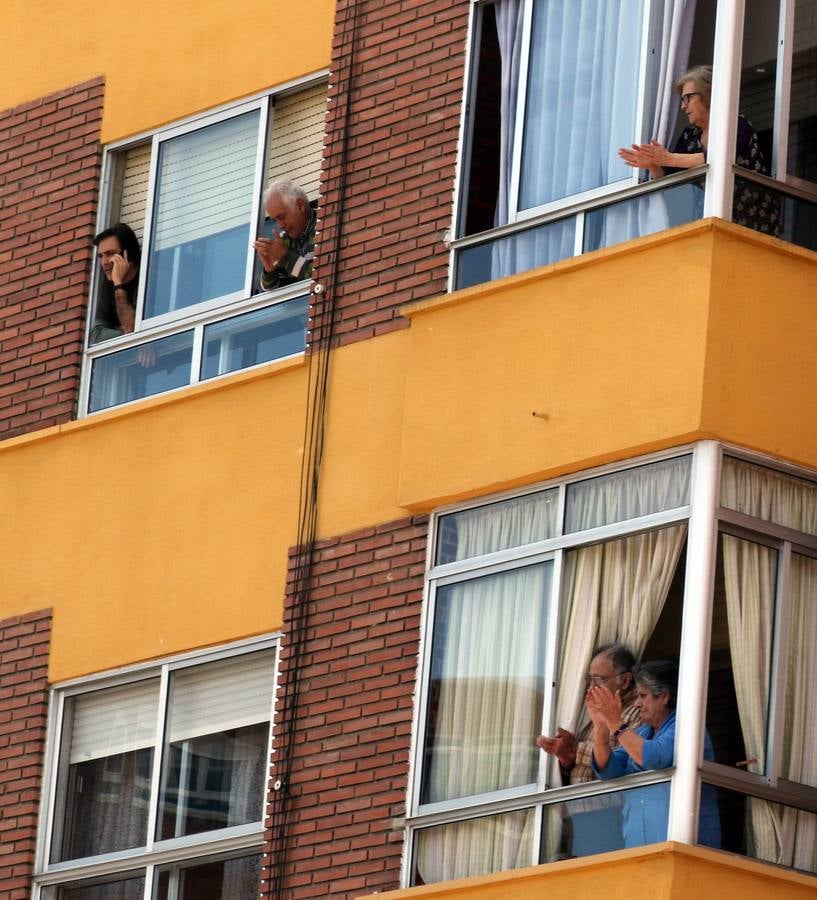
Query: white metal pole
695 637
723 109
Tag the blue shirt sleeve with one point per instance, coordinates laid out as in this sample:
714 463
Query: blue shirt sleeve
658 752
616 766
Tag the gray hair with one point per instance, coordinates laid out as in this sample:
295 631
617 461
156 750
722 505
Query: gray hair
658 676
701 76
620 655
287 189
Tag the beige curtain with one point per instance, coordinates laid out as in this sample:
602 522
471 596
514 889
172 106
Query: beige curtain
486 694
799 832
775 833
612 592
749 581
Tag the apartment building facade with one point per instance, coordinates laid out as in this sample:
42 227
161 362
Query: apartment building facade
294 578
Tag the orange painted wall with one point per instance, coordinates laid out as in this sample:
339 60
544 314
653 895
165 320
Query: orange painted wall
661 872
166 525
161 61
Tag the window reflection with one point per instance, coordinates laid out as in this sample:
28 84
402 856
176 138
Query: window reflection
255 337
226 879
142 371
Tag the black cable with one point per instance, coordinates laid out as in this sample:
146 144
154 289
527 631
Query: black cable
314 431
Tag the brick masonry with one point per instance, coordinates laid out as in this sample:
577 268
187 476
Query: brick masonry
24 647
406 98
350 764
49 176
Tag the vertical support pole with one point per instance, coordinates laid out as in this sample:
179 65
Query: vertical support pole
723 109
695 638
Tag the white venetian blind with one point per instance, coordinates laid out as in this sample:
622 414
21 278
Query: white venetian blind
114 720
205 181
231 693
135 177
296 143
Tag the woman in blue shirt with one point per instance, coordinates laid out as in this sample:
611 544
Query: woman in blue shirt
650 746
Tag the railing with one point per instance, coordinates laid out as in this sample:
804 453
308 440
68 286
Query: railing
783 210
619 216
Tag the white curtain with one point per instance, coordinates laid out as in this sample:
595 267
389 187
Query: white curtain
775 833
509 21
582 93
486 695
613 591
749 582
798 846
628 494
671 37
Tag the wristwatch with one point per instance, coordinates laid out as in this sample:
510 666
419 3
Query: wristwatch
620 730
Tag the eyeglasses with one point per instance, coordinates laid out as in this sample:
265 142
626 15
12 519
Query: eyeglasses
685 98
593 680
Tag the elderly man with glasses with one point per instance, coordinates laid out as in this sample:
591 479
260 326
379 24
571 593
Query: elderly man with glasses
612 665
593 824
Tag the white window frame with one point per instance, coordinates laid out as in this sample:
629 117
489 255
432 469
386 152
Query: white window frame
187 850
552 209
704 516
195 317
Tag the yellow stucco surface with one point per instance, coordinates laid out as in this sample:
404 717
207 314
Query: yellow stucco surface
761 378
607 351
666 871
156 531
165 526
161 61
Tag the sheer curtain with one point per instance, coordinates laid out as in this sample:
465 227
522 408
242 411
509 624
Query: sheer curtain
486 697
749 582
581 106
775 833
673 21
799 838
612 592
509 20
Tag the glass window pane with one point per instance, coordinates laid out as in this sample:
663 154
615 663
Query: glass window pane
628 494
614 821
497 526
582 98
740 652
202 215
517 252
767 831
640 216
487 684
225 879
216 745
800 724
802 160
255 337
758 75
474 847
142 371
796 218
127 888
481 181
105 771
769 495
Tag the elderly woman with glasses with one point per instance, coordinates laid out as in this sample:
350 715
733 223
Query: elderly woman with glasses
753 206
650 746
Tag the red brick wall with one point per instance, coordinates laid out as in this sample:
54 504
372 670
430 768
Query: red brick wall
49 173
24 643
350 765
407 79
